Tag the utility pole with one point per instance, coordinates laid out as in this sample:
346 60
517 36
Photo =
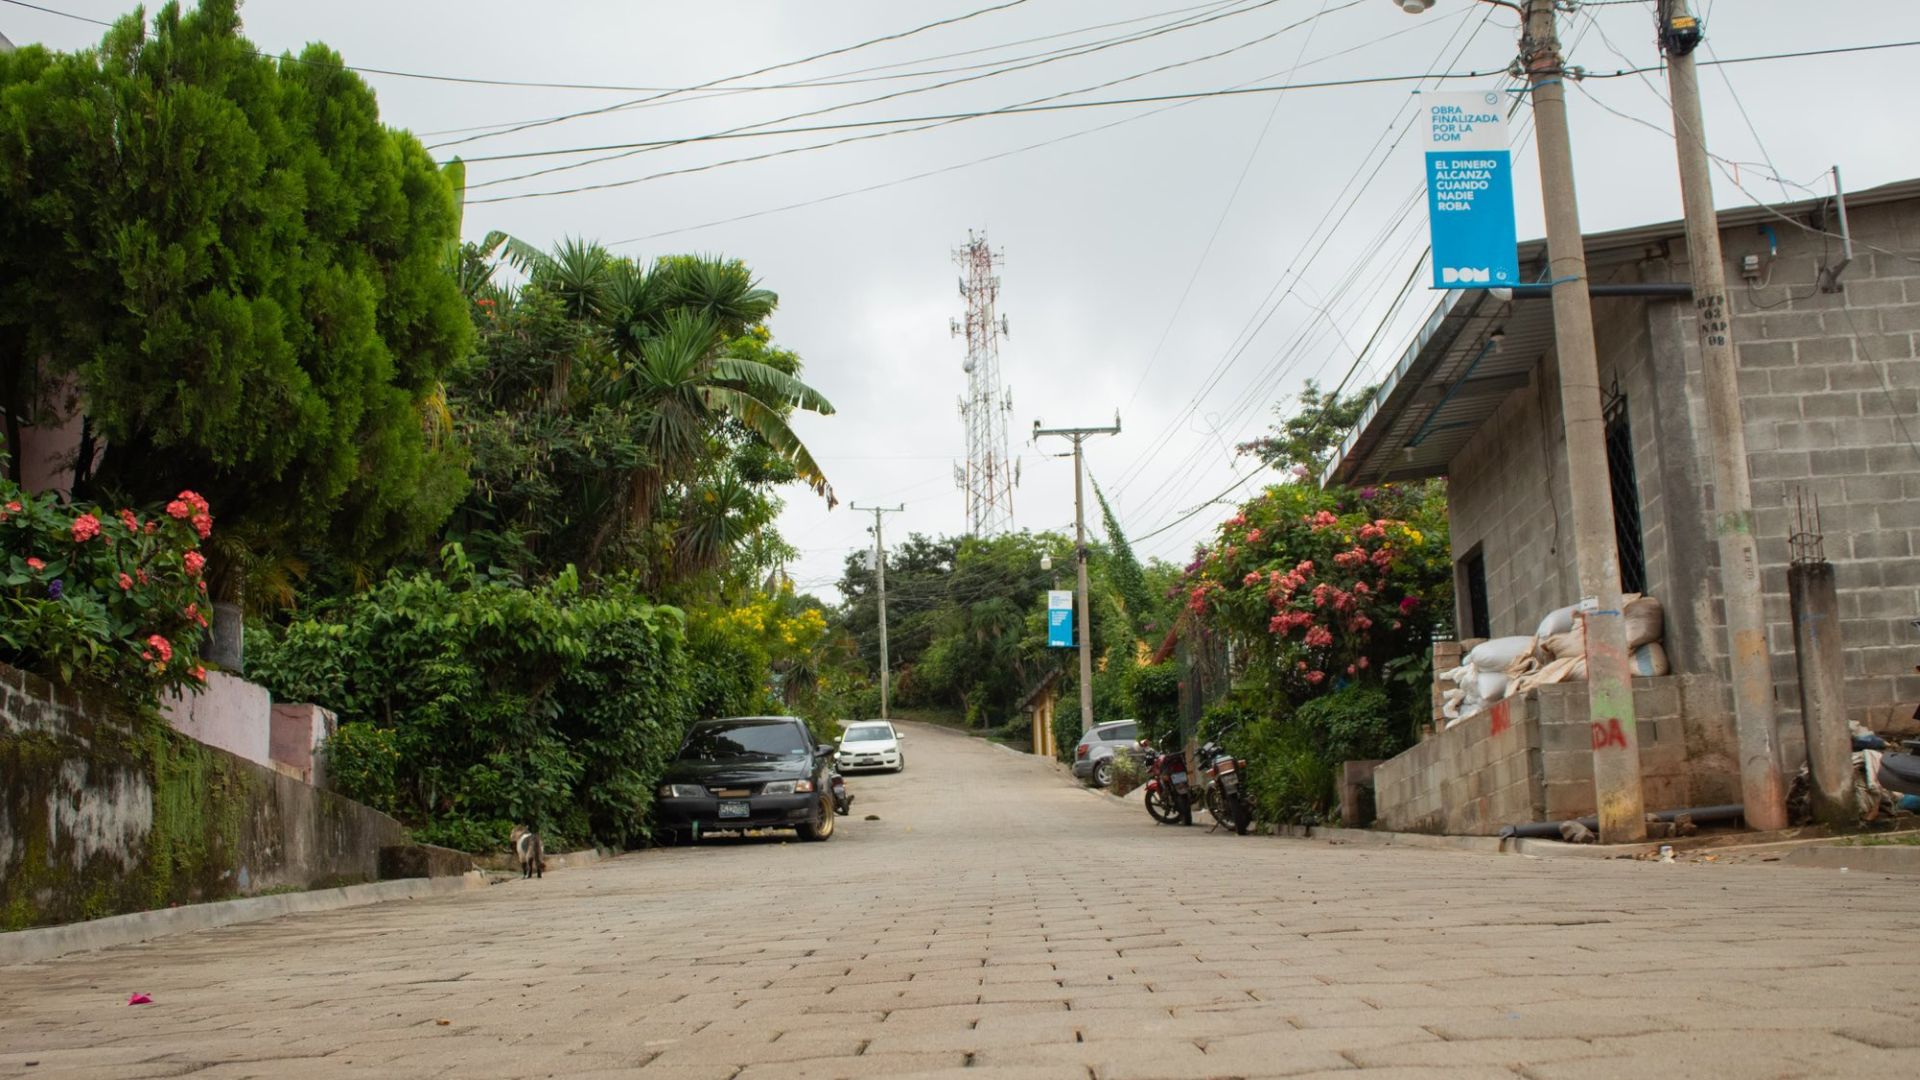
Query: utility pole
880 581
1084 631
1616 744
1747 658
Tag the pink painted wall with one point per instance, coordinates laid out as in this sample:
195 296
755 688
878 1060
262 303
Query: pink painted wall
297 730
230 713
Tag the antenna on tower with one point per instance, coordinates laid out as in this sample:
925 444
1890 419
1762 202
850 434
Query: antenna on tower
990 473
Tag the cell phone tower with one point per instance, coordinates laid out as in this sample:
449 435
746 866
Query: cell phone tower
991 473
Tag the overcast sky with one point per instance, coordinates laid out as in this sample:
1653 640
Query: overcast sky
1288 221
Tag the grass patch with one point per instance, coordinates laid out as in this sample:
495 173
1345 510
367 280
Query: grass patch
1911 839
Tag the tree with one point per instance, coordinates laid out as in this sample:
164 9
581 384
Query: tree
237 275
1304 439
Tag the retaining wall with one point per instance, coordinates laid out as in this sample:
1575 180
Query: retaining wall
1530 758
104 811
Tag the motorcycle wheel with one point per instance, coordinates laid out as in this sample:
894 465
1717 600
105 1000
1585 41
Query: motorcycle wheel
1215 806
1163 806
1242 814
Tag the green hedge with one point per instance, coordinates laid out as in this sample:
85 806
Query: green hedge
469 704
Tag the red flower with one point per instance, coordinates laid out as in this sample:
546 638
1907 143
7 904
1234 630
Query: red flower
203 524
125 581
1316 677
14 506
161 647
178 509
141 574
1408 603
85 528
1319 637
195 562
1364 663
199 673
193 615
1351 670
128 519
1252 579
1253 536
36 565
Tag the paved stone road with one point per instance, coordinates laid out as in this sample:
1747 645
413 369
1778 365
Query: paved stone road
998 922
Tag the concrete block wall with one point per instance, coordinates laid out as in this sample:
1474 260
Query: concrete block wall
1830 388
1688 751
228 712
1470 780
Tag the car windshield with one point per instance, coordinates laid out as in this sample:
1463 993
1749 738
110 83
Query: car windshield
732 740
867 734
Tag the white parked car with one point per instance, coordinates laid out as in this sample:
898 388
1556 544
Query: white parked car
871 744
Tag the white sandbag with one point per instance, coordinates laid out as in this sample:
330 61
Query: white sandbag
1649 659
1569 645
1501 654
1459 676
1646 621
1492 685
1558 621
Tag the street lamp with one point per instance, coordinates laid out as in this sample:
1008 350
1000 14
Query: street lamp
1046 561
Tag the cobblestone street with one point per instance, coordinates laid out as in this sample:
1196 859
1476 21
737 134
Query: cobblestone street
996 921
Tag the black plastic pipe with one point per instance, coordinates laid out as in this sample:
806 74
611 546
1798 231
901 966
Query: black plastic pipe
1672 290
1550 830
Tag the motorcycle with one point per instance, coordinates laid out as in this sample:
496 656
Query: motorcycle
1225 790
1168 799
842 800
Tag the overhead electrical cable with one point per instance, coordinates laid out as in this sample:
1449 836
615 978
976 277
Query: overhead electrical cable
840 51
746 130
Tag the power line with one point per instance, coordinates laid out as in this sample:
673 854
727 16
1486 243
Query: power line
842 50
749 130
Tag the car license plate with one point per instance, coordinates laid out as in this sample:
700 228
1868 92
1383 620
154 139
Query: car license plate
1179 778
733 809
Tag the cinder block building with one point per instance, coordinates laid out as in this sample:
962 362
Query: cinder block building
1830 389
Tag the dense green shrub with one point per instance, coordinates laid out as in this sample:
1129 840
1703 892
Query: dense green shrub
1293 760
1153 697
112 601
505 703
363 763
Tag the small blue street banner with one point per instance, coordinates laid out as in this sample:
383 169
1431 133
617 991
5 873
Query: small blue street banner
1470 190
1059 618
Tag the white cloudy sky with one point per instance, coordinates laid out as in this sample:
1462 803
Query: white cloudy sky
1293 216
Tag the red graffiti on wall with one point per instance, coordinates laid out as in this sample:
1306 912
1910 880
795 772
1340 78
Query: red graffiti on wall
1608 735
1501 718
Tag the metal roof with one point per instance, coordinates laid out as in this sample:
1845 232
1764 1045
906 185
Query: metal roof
1475 349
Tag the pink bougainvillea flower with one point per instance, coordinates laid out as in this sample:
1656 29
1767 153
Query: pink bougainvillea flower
1252 578
1305 568
1316 677
1361 588
1408 603
36 565
1319 637
195 562
161 647
85 528
1321 594
1253 536
125 581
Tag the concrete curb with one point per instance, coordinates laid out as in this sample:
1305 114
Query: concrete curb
1863 858
505 863
44 943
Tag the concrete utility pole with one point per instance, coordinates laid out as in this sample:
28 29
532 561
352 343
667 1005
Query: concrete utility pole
1822 664
1616 744
1761 791
880 581
1084 631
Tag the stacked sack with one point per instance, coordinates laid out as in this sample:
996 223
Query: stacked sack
1556 653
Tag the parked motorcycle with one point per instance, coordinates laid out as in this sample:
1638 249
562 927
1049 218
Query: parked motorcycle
1168 798
1225 788
842 800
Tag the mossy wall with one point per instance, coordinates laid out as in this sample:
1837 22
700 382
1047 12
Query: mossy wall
105 811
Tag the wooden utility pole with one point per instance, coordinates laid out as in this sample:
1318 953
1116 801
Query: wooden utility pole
880 582
1084 631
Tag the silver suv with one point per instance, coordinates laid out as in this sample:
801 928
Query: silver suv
1093 754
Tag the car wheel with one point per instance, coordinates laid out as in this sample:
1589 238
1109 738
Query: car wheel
668 838
1103 773
823 828
902 767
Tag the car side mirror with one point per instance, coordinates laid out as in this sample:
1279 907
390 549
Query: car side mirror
826 749
898 735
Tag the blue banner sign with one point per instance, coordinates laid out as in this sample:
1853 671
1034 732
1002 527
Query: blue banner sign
1470 190
1059 619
